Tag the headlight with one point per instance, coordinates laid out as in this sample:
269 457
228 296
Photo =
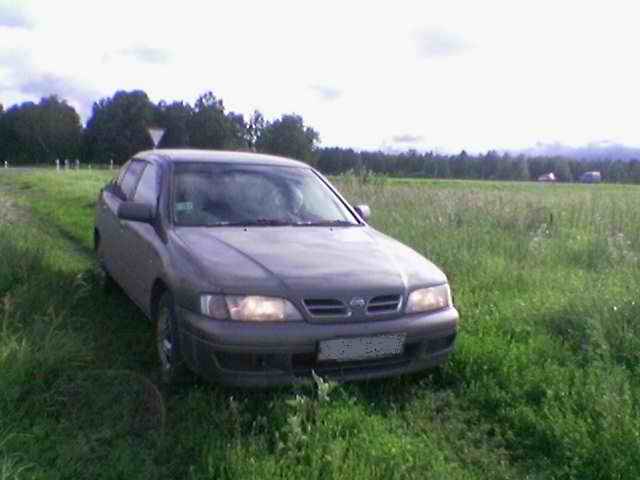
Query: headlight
252 308
429 299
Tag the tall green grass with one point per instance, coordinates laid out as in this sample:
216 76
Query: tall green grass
543 383
64 405
546 281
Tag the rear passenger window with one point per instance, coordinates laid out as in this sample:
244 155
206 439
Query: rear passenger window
147 191
131 177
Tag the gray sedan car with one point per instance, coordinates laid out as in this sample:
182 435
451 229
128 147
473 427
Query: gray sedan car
257 272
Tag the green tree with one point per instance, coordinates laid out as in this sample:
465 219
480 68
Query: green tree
521 168
561 169
335 160
238 137
503 167
208 127
4 135
616 172
254 128
634 171
489 165
289 137
460 165
118 126
174 118
40 133
442 168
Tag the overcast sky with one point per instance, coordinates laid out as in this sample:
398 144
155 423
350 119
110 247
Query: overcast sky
443 75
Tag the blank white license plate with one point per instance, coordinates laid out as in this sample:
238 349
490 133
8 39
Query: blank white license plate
361 348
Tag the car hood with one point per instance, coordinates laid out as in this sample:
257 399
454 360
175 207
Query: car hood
307 260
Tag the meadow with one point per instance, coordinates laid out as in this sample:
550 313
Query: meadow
544 382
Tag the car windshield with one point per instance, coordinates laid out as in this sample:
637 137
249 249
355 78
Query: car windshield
217 194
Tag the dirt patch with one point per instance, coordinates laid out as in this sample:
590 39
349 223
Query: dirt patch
10 212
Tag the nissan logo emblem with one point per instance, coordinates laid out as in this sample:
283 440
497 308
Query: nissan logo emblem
357 302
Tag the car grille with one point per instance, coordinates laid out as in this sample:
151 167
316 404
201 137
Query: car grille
384 304
326 307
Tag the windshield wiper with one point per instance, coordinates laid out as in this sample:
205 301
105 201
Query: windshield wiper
270 222
260 222
274 222
326 223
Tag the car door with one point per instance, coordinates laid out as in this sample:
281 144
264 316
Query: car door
119 243
144 244
108 225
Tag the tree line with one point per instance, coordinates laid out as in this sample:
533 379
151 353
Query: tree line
40 133
485 166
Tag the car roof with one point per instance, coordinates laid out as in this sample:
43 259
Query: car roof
217 156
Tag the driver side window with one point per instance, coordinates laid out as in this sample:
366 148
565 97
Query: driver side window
130 179
147 191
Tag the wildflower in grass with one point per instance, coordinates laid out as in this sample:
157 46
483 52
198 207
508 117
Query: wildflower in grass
537 243
620 249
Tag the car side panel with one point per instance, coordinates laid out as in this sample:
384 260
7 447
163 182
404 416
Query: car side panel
109 227
144 253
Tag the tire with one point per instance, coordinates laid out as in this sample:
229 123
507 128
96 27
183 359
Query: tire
173 370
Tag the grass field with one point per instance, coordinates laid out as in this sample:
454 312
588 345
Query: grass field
544 382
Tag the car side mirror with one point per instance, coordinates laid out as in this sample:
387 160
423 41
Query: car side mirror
364 211
136 212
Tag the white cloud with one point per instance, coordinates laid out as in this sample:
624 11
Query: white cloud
437 42
140 53
45 84
27 81
407 138
326 92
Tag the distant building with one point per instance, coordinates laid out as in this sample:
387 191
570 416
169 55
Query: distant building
547 177
591 177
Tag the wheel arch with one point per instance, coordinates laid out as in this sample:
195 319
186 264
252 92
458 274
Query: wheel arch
157 290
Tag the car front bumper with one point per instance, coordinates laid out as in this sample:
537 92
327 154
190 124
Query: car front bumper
265 355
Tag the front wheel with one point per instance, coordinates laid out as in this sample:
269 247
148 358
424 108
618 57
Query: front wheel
172 367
